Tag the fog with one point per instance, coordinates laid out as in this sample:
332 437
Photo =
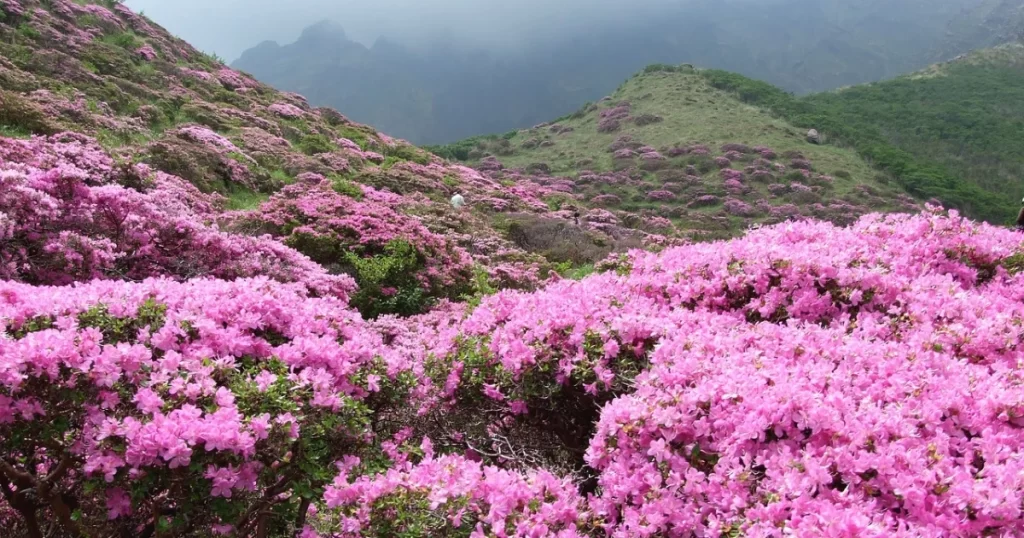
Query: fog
228 27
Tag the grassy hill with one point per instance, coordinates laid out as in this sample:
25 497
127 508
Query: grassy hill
950 132
966 115
679 133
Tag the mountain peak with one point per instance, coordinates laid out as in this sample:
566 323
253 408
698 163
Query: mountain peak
325 30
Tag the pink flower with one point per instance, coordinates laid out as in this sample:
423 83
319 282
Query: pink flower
493 393
148 401
118 503
264 380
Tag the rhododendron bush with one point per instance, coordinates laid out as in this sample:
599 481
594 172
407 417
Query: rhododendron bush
68 212
184 406
398 263
802 380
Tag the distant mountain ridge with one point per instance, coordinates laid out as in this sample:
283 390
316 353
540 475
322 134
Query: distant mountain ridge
446 94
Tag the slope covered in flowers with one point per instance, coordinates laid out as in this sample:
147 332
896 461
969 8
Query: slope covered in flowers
123 84
667 143
804 379
209 329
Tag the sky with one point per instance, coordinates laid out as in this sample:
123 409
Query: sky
229 27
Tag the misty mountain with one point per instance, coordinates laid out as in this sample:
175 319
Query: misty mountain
445 92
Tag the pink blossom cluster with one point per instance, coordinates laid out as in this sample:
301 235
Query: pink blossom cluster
232 80
213 382
204 76
317 220
606 200
64 218
286 110
146 52
480 500
738 208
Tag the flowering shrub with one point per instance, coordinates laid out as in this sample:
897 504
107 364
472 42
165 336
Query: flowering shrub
146 52
64 218
624 153
231 79
399 265
191 380
705 201
286 110
606 200
661 195
173 406
738 208
608 125
451 494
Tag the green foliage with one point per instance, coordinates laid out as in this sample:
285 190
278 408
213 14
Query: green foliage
459 151
387 282
403 152
665 68
20 115
126 40
353 134
30 326
346 187
210 60
313 144
1014 264
968 120
875 138
118 330
577 272
113 139
241 198
480 287
27 32
14 131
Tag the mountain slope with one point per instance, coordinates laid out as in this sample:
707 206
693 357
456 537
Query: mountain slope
255 161
966 114
445 93
668 129
949 132
345 355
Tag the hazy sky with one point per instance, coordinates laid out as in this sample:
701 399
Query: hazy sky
228 27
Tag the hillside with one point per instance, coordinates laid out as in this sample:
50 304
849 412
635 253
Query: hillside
224 312
451 91
966 115
667 143
146 99
949 132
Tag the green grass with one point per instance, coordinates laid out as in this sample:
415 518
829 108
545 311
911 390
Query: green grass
240 198
966 117
14 131
942 133
125 40
692 111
